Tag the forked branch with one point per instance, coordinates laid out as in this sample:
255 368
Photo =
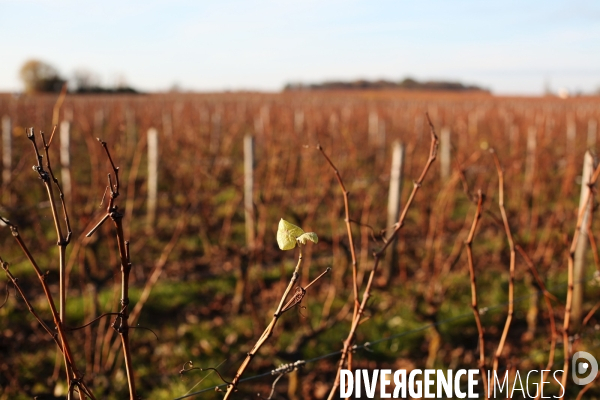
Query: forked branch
511 279
59 337
377 256
120 324
281 308
474 305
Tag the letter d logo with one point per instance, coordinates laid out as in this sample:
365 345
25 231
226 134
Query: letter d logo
589 366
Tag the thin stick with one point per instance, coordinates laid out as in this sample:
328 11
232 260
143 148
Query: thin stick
590 314
267 332
511 279
377 256
594 246
301 291
62 240
281 308
474 306
68 355
120 323
15 283
548 297
348 221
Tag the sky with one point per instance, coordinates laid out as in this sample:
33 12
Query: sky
510 47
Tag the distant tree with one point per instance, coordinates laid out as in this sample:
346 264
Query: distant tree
85 80
40 77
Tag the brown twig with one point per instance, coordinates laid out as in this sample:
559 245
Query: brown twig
590 314
511 279
120 324
347 220
377 256
32 310
62 240
474 305
92 321
548 297
191 367
594 246
7 294
269 329
150 283
62 338
48 178
301 291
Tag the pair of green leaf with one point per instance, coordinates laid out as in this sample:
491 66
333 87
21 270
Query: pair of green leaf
289 234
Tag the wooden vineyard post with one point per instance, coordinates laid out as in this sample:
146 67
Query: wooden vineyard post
334 124
373 128
571 132
445 154
376 133
530 160
131 132
249 189
591 136
473 121
261 122
570 156
381 139
152 176
167 123
6 157
298 121
513 138
65 160
418 124
99 122
527 217
246 257
215 132
258 126
579 265
393 208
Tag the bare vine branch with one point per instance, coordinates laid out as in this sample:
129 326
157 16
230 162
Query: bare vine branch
357 317
511 279
474 305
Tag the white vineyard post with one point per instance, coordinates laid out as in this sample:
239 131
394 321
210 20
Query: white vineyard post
249 189
215 132
152 176
65 159
445 153
373 129
571 132
167 123
530 160
298 121
393 211
591 136
6 158
582 242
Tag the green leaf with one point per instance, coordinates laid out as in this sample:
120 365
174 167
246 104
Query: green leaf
287 234
308 236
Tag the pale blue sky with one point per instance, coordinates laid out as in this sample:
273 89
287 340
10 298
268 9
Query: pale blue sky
508 46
